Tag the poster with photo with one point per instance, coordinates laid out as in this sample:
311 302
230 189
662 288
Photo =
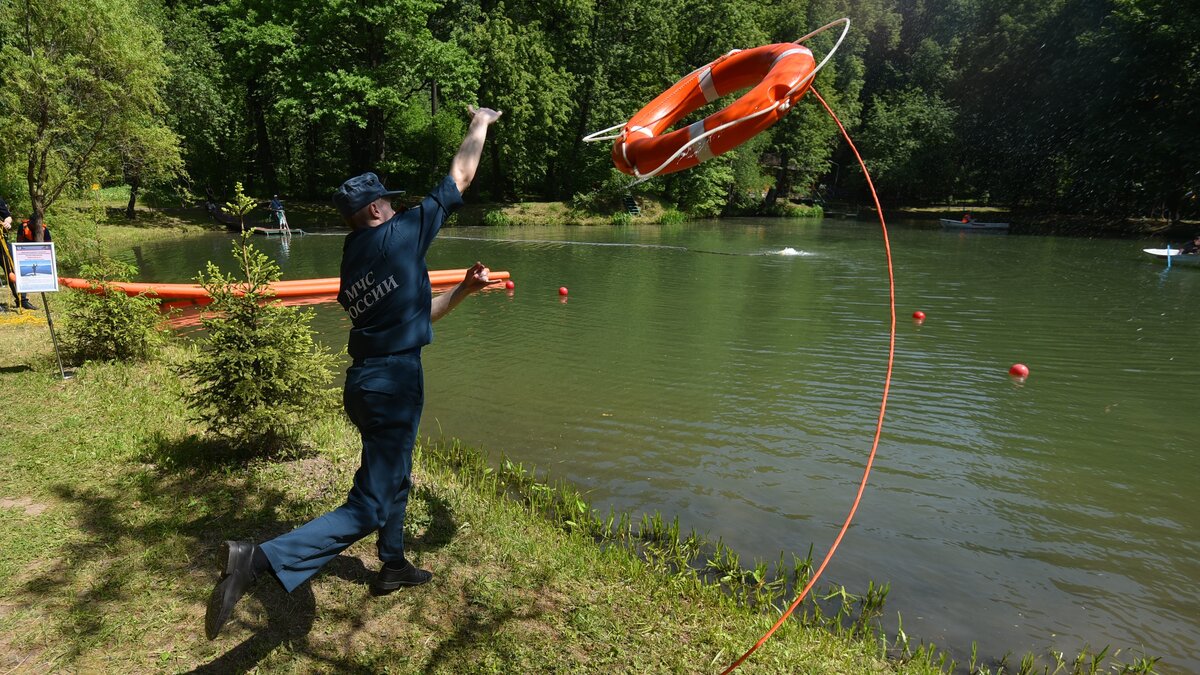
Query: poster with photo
37 268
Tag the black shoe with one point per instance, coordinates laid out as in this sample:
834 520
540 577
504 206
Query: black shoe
236 560
390 579
26 304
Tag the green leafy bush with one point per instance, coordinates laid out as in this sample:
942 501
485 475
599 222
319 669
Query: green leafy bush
76 236
671 216
621 218
259 373
703 190
105 324
785 209
496 218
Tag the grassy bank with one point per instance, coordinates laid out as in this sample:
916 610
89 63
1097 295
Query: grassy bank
112 506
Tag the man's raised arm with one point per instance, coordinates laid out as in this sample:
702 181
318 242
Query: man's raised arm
466 161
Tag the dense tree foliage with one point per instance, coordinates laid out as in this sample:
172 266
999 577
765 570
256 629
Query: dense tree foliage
80 86
1058 105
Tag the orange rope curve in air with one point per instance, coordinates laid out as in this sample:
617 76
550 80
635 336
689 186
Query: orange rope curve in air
887 384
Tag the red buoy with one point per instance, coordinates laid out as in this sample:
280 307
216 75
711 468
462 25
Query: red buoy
1019 370
509 284
919 315
562 290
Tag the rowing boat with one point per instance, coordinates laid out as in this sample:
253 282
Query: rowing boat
1175 256
951 224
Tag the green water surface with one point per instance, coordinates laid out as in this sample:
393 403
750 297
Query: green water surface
698 371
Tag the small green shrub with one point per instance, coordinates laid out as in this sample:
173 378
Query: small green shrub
621 218
105 324
259 374
496 218
671 216
783 209
76 237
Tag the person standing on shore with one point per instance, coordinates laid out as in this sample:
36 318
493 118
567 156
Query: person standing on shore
385 290
6 264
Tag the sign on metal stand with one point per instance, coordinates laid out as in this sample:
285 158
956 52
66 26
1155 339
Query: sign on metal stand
36 268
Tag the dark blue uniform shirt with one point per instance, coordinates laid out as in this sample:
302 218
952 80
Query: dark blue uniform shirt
385 284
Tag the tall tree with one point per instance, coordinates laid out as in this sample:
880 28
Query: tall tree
909 136
1129 89
520 77
81 79
198 96
620 60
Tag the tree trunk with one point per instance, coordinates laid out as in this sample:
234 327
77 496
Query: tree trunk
769 198
134 183
355 144
35 179
37 216
433 137
310 160
264 159
568 181
783 184
375 136
367 144
500 188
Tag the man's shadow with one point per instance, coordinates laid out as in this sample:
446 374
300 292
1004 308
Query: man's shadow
278 618
284 619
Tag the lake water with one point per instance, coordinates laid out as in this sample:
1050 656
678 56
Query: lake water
696 371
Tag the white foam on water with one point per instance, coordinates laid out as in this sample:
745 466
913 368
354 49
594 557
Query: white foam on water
791 251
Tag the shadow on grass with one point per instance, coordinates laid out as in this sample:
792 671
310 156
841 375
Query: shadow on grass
148 536
480 628
440 523
289 618
483 625
208 454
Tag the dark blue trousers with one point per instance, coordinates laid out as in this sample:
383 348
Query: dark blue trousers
383 397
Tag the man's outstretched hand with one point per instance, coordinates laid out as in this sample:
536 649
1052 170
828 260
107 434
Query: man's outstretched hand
485 115
476 278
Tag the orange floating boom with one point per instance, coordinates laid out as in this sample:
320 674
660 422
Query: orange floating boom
280 289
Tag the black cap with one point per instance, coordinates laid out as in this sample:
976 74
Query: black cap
359 191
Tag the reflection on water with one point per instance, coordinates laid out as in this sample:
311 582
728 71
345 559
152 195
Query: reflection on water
730 373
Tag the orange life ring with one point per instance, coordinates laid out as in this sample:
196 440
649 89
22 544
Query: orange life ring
772 70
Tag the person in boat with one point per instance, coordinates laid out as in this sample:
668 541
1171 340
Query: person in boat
1192 247
967 219
385 291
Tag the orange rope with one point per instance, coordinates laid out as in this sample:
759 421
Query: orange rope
887 383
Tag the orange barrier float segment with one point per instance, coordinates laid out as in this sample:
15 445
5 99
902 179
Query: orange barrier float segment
772 71
438 278
281 289
137 288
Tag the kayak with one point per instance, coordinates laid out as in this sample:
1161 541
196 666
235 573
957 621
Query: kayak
1176 257
952 224
280 289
